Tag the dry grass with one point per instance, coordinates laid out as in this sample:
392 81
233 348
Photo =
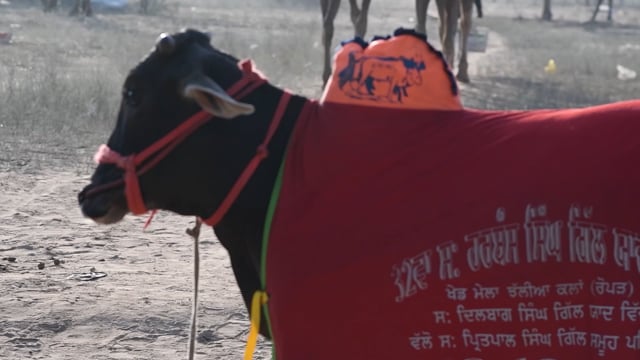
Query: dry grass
586 55
50 101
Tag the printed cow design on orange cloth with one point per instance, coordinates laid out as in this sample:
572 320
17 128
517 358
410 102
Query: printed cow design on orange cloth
401 71
380 78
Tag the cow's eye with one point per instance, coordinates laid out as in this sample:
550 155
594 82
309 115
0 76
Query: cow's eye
131 96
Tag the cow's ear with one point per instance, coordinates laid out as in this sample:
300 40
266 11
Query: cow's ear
212 98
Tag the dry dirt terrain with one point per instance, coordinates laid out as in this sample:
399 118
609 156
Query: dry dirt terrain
59 89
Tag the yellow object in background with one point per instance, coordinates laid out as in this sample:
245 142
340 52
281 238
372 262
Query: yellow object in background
551 67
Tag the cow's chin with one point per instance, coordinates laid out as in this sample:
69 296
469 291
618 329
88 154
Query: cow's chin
112 216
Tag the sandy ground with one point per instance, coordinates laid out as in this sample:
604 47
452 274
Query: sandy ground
141 309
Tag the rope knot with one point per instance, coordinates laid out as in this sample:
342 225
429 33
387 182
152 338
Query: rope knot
105 155
262 151
126 163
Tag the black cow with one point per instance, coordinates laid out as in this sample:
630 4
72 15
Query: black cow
215 153
185 74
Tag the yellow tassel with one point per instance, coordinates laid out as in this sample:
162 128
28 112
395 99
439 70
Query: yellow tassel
259 298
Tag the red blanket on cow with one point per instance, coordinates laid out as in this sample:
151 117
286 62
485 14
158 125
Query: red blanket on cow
461 234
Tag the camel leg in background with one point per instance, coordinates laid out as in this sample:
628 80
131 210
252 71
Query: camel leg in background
546 11
449 12
329 12
597 9
359 16
479 8
421 16
86 7
465 29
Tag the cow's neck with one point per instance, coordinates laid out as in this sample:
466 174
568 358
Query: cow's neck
241 228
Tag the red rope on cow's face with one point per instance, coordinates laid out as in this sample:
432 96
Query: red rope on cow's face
135 165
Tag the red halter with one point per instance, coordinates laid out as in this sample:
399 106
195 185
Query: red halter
135 165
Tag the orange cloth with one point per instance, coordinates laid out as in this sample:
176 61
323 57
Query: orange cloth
401 71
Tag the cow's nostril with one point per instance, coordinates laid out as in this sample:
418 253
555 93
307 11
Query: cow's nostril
82 196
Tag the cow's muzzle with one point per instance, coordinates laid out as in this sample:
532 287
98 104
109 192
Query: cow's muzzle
103 208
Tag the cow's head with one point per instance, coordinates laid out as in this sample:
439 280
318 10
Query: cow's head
181 76
414 67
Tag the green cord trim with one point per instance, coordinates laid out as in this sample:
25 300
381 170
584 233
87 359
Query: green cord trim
271 209
273 202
